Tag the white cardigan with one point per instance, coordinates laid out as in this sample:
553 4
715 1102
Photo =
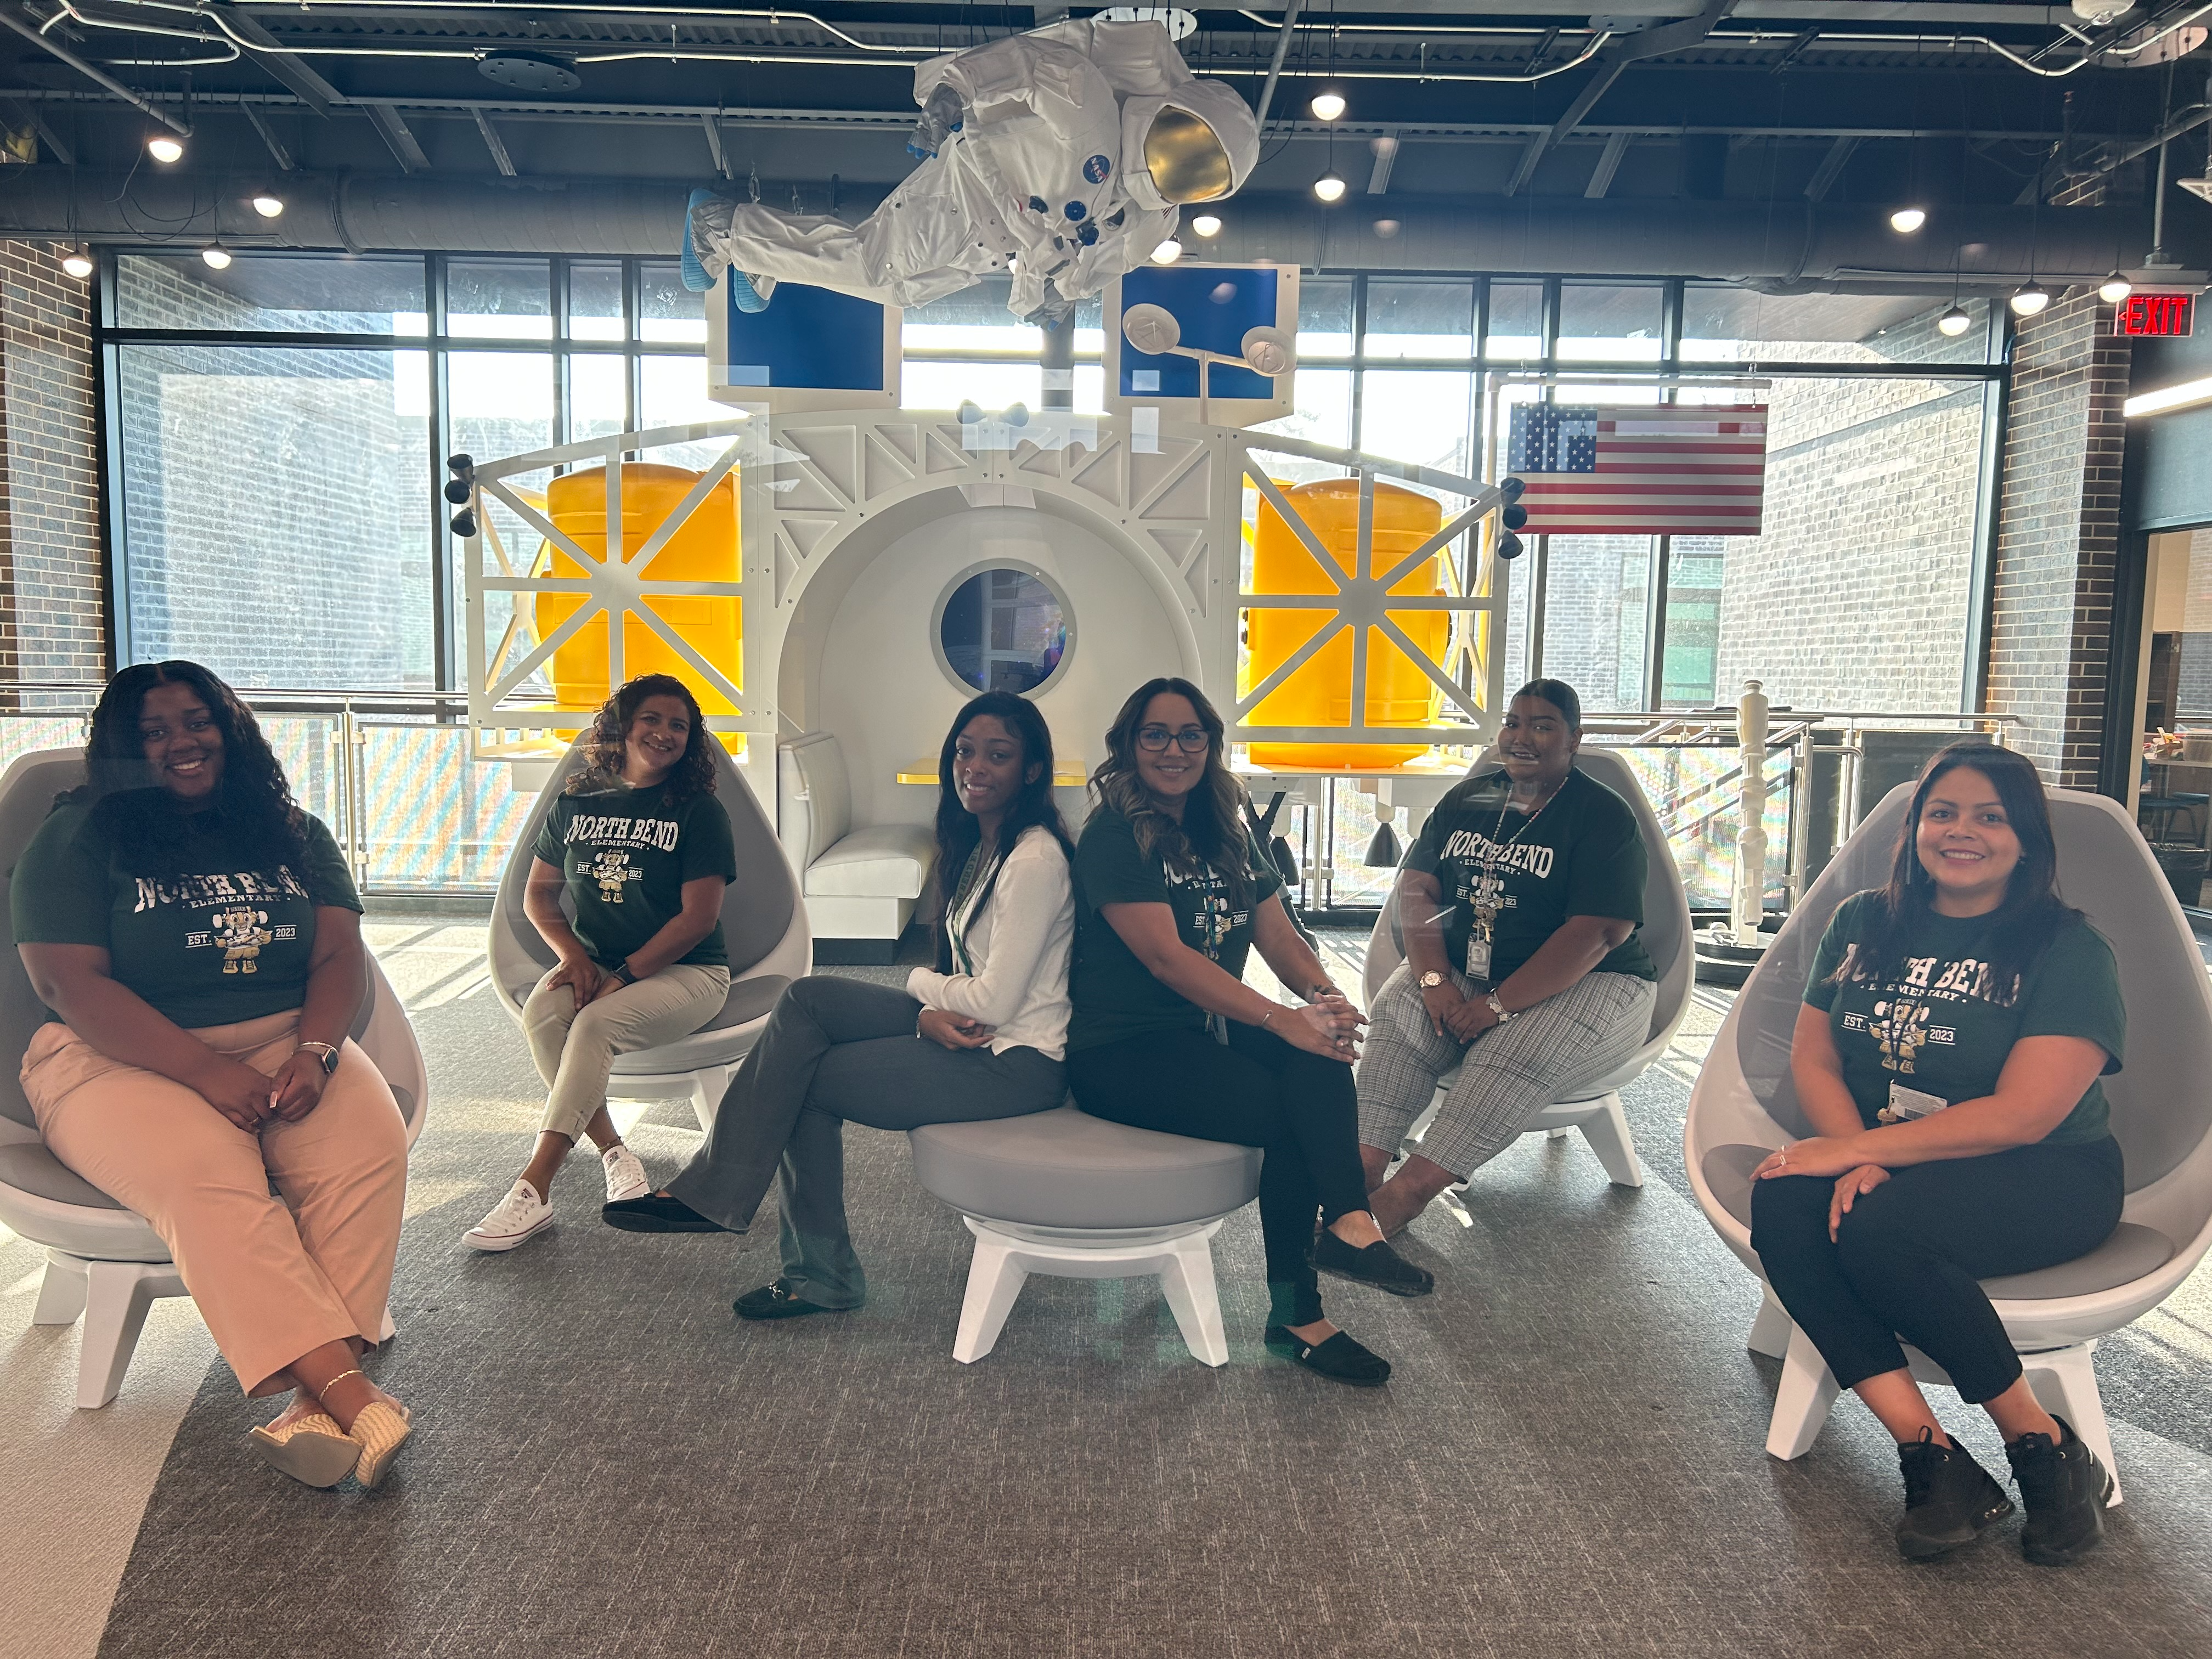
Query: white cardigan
1019 943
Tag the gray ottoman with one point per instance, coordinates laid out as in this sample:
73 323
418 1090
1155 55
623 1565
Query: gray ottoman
1066 1194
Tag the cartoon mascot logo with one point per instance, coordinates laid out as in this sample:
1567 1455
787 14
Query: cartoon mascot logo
241 933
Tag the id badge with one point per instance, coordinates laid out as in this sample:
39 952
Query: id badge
1478 957
1905 1105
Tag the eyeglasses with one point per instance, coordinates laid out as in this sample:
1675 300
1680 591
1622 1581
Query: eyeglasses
1154 739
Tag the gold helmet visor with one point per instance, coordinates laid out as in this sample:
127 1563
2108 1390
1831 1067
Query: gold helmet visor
1186 159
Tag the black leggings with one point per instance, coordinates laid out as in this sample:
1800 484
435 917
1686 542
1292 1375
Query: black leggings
1906 1258
1258 1091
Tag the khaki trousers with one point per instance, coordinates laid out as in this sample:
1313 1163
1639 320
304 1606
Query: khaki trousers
275 1276
576 1052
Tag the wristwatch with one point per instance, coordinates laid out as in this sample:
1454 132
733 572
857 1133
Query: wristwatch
620 971
325 1055
1499 1008
1431 980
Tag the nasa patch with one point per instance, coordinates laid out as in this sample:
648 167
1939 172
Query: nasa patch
1096 168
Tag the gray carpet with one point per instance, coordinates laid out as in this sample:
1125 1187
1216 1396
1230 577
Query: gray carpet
1568 1461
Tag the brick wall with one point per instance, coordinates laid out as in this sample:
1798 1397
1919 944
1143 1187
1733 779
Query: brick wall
52 622
2059 524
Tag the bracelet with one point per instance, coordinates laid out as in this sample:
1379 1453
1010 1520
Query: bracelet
341 1375
1269 1014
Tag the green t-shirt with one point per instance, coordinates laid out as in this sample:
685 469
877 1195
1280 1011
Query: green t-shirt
1582 855
1940 1027
1115 995
626 854
220 943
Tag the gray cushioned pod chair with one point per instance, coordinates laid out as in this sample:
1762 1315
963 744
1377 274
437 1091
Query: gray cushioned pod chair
1745 1106
764 927
103 1261
1596 1110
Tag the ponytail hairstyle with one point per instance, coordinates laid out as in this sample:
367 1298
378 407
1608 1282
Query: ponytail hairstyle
1561 695
1212 827
605 742
957 832
2033 913
254 798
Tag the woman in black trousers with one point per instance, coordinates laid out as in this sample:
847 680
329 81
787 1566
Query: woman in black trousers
1164 1035
1948 1056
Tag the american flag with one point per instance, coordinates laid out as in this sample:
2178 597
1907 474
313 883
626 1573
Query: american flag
1671 469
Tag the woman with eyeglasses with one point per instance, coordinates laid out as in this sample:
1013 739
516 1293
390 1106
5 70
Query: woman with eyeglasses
1170 898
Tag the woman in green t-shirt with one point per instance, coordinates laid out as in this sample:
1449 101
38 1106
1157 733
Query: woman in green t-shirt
1171 894
181 910
1948 1056
642 850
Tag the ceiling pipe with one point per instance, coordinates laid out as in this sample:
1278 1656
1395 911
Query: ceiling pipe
14 20
1773 245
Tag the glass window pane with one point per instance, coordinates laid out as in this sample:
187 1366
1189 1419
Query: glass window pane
1325 317
1722 323
1610 323
669 313
273 293
499 404
1693 621
1594 606
672 391
1003 630
595 300
276 506
976 319
1516 322
1321 414
599 398
499 299
1418 415
1419 320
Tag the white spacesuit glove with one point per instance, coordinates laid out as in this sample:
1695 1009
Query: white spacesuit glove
1056 309
941 117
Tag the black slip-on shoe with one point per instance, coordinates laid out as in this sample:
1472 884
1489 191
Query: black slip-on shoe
1375 1264
657 1212
1340 1358
2064 1488
776 1302
1948 1499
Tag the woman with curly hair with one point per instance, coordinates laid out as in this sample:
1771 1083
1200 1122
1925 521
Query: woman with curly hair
643 851
1170 897
181 909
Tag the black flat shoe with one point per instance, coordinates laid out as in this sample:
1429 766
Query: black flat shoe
1340 1359
1375 1264
656 1212
776 1302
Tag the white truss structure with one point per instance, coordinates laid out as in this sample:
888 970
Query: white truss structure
1172 501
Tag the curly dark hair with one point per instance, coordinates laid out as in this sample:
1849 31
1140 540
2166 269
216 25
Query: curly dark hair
254 797
694 775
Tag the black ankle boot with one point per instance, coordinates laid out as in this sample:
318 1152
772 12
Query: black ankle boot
1948 1499
2064 1488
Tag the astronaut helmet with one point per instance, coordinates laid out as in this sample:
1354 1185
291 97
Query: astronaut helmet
1198 144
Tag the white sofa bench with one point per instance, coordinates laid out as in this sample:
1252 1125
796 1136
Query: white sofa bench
859 885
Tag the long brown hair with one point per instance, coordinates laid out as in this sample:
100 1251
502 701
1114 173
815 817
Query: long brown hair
2033 913
694 775
1213 827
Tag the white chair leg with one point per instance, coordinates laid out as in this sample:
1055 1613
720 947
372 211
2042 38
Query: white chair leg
1559 1134
117 1296
995 1278
1187 1279
1453 1202
1770 1331
389 1329
2064 1383
1608 1137
706 1089
62 1291
1802 1404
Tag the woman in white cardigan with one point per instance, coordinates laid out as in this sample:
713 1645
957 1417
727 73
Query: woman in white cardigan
980 1035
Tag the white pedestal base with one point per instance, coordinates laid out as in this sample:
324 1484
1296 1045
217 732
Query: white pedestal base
1007 1253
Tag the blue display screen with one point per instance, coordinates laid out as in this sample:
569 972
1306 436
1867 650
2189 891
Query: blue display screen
1215 308
807 337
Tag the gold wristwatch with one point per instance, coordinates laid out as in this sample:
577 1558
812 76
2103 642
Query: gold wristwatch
1431 980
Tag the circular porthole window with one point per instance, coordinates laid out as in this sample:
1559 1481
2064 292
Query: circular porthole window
1003 626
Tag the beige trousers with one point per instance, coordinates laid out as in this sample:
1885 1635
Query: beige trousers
276 1276
576 1052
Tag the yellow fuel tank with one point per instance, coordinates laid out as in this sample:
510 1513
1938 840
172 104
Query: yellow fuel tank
704 549
1320 692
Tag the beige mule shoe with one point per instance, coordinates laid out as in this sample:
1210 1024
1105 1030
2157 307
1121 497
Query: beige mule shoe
312 1450
380 1429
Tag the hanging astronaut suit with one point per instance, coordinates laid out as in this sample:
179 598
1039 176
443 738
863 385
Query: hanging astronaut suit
1061 155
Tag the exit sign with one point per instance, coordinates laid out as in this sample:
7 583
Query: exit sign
2166 315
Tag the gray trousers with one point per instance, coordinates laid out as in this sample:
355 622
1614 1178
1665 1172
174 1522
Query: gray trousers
836 1050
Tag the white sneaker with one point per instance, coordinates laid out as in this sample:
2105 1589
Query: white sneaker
515 1219
625 1175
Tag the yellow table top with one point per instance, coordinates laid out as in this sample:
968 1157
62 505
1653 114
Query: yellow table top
924 770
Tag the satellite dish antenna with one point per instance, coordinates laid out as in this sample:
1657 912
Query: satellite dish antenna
1267 351
1152 330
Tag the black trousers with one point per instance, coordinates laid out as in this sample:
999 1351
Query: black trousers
1257 1091
1906 1258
